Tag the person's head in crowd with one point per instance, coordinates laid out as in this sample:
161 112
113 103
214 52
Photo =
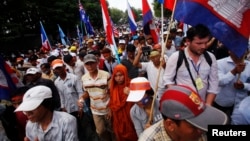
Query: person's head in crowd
81 55
90 43
37 103
155 57
73 49
20 61
68 59
122 44
58 67
65 51
131 51
135 39
107 53
149 39
169 43
157 47
97 54
197 38
185 114
45 68
91 63
140 92
183 43
33 60
17 96
32 75
179 32
173 32
51 58
142 40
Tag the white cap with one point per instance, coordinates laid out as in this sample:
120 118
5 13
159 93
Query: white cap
34 97
179 30
33 70
122 41
138 87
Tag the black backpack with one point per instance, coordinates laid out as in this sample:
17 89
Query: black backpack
182 55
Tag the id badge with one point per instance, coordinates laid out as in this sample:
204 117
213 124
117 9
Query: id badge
199 83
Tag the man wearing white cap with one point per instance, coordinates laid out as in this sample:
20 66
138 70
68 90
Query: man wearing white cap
141 93
185 117
44 123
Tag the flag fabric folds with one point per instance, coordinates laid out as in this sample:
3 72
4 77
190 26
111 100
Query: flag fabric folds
131 19
62 35
148 22
8 80
228 21
45 41
169 4
108 29
85 20
79 36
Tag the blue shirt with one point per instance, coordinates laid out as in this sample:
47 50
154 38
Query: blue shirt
229 96
63 127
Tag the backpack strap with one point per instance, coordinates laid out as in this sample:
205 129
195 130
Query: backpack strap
179 62
208 58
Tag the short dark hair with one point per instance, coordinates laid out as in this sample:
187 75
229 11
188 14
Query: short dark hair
199 30
51 58
131 48
45 65
67 58
174 120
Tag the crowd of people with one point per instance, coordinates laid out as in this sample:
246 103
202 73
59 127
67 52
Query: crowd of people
148 91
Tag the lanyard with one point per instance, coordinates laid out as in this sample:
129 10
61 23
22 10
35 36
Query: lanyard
196 68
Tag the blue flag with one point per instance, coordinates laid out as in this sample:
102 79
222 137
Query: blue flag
85 19
62 35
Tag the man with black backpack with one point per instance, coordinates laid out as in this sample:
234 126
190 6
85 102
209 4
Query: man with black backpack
194 66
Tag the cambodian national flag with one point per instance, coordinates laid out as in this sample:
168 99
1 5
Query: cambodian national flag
228 20
131 19
108 29
148 22
169 4
45 41
8 80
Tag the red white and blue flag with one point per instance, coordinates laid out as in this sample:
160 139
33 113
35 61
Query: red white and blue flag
131 19
8 80
148 22
45 41
108 29
228 21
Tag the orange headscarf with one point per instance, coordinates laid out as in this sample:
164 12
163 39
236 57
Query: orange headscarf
124 130
117 96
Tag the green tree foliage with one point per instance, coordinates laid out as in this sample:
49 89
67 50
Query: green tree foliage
116 15
20 18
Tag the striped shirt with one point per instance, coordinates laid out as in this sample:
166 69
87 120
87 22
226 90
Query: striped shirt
97 89
63 127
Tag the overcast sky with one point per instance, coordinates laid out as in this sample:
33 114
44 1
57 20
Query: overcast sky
122 4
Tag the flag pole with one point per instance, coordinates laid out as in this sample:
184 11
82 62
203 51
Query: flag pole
150 120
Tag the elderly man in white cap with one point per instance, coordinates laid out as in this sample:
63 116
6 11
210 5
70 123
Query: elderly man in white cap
44 122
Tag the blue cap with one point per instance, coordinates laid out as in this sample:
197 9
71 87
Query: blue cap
241 115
